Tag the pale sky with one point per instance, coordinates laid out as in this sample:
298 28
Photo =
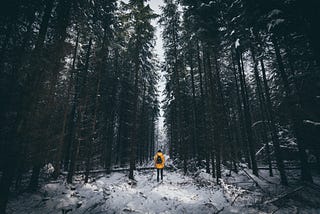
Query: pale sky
155 6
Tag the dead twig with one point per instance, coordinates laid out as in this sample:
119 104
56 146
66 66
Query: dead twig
219 210
234 200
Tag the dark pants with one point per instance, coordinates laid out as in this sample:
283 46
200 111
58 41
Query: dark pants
161 171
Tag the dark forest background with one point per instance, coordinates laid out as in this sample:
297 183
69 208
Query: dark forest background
78 86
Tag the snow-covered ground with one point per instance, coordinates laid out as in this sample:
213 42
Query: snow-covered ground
177 193
117 194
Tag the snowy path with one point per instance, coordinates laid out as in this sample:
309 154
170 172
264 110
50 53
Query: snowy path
176 194
116 194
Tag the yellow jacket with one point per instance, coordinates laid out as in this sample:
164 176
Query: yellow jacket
159 165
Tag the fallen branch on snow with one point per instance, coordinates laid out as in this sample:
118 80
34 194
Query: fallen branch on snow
113 170
284 195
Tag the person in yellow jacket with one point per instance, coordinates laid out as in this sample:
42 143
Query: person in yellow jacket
159 163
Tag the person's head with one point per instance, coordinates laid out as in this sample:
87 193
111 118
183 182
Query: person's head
159 150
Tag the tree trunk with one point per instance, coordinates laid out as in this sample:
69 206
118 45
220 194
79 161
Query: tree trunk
75 145
194 117
82 110
93 130
213 165
57 164
34 181
110 118
241 127
208 115
262 110
225 118
133 141
274 131
7 175
204 135
295 116
247 115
